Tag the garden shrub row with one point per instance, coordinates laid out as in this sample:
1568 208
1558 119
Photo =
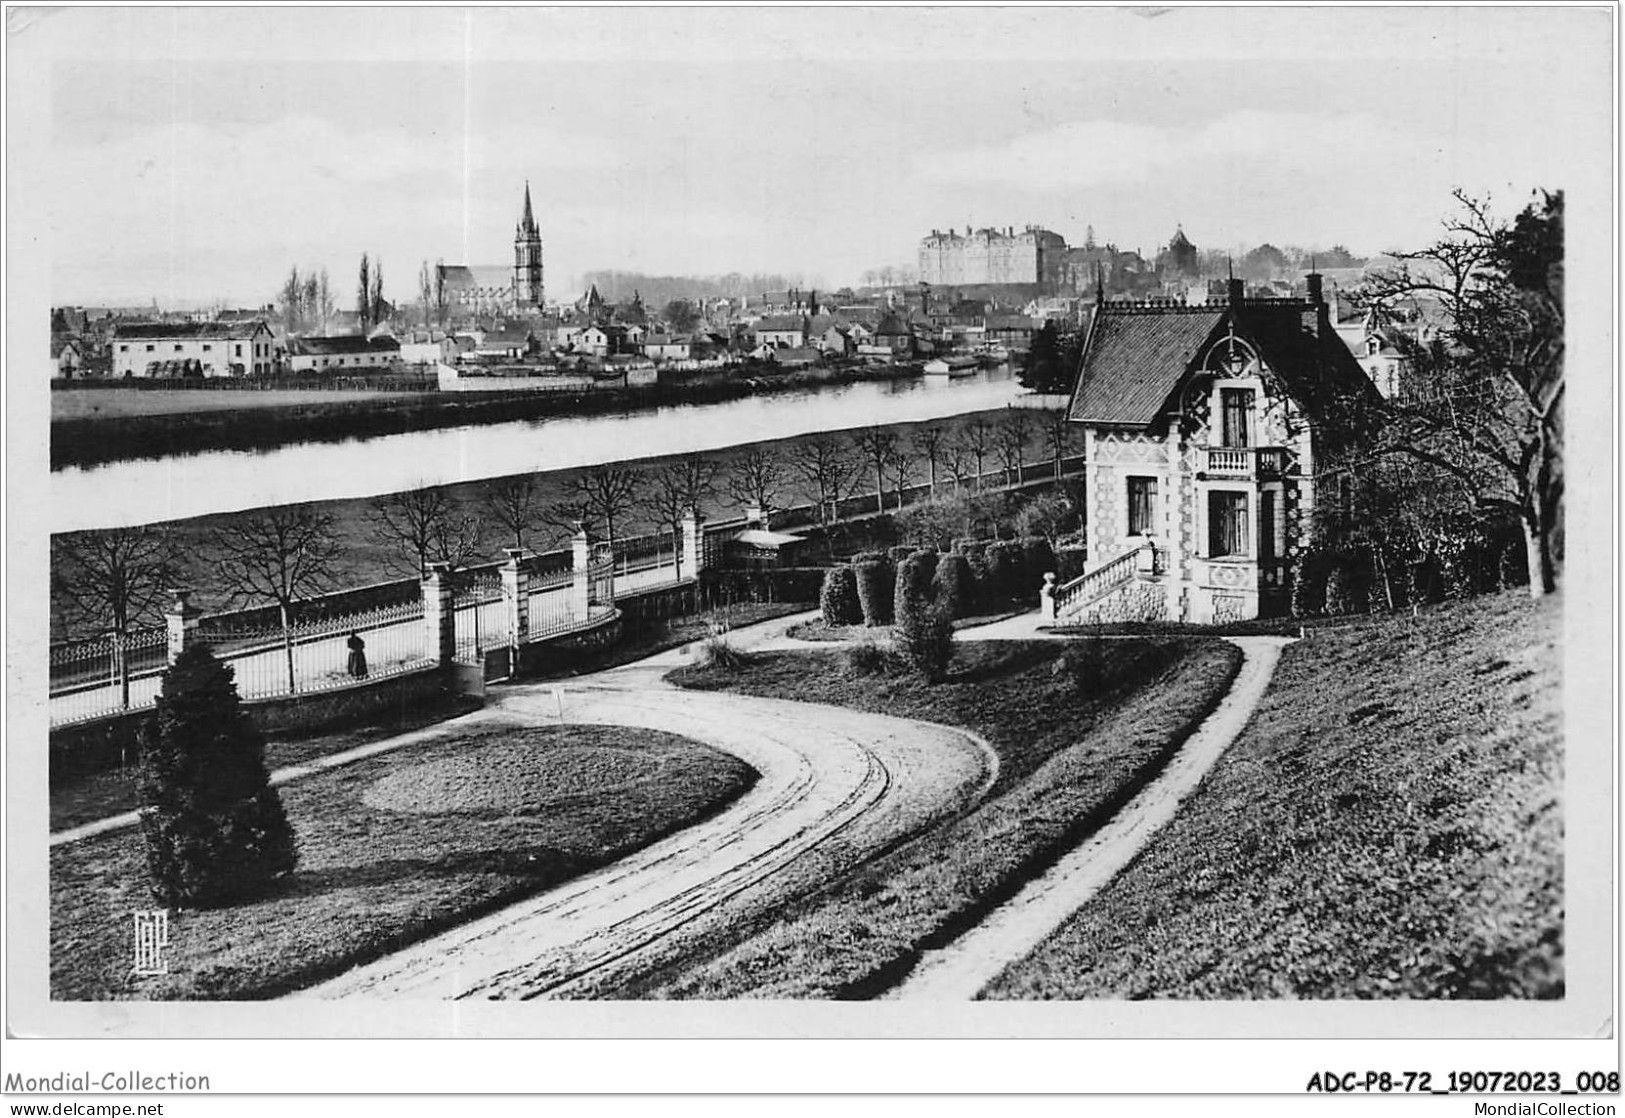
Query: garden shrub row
975 575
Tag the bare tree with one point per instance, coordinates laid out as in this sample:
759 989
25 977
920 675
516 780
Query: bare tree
900 470
1014 432
1484 403
754 477
877 445
112 580
442 300
516 504
426 294
281 555
324 299
600 496
378 309
827 470
412 519
363 294
977 439
1058 437
310 299
289 297
455 540
956 459
676 491
931 443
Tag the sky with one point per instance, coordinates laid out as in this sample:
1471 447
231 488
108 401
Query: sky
197 154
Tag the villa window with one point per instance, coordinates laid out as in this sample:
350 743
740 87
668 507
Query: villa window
1227 533
1237 408
1142 505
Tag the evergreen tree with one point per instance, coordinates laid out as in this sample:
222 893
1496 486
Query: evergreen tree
214 827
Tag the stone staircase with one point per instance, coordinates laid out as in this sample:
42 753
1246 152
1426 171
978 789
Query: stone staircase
1069 602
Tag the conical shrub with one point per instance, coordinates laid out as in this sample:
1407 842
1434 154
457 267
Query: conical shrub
214 827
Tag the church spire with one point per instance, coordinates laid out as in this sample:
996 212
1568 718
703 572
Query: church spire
527 223
527 260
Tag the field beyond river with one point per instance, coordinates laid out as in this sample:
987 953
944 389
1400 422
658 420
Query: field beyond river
367 556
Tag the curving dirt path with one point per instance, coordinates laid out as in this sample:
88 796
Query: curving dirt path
826 773
962 969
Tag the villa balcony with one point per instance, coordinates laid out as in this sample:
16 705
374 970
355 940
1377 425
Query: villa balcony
1249 463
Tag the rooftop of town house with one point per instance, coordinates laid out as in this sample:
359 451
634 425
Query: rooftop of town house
181 330
783 322
341 345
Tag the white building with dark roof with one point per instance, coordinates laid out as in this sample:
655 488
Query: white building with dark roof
346 353
210 349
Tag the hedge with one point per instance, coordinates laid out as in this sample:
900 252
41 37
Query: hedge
874 591
839 597
953 584
913 585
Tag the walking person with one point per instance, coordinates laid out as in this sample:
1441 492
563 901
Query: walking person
358 656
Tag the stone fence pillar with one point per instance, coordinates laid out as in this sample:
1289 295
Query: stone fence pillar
1046 598
181 617
691 553
439 614
580 561
516 597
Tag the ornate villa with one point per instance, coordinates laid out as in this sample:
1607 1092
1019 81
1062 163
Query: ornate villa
1206 434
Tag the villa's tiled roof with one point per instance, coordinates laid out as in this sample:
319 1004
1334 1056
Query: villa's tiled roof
1134 361
1137 356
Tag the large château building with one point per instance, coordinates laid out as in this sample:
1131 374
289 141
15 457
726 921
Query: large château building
486 289
1032 256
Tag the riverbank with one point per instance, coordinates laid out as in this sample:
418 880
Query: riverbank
367 557
112 433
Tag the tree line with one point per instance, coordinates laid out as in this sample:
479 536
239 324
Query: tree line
117 579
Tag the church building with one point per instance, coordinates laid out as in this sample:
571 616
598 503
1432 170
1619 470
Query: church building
495 289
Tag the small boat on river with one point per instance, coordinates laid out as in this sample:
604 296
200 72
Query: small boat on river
955 365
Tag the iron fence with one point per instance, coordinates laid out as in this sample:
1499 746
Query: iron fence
635 554
317 655
106 675
601 581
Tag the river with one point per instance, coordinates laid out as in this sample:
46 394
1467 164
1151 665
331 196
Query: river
148 491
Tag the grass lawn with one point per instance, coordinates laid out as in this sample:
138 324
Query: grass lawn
99 795
115 402
817 631
652 637
391 850
1067 761
1389 826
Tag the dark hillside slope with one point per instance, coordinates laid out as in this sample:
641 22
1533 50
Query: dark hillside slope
1389 826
